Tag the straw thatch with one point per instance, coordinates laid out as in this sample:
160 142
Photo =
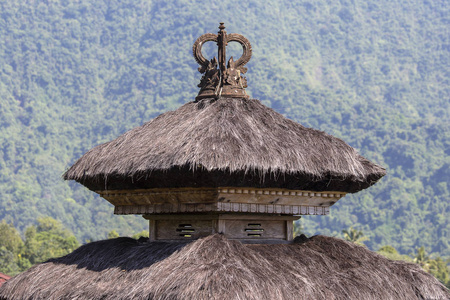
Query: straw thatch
217 268
228 142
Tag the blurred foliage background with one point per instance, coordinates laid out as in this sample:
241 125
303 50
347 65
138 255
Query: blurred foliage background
375 73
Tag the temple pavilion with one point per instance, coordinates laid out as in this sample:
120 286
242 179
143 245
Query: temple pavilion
221 180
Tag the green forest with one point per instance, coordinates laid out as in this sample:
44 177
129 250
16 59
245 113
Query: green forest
74 74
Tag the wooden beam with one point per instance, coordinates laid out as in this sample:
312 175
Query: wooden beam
188 196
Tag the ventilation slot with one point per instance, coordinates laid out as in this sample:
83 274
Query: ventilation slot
185 230
254 230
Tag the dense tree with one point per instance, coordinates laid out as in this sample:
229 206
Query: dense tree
43 241
392 253
374 73
441 270
10 238
355 236
143 233
112 234
48 239
8 262
421 258
436 266
11 245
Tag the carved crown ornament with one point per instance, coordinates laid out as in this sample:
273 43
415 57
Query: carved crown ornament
221 78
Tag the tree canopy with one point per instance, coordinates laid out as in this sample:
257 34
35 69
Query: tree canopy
47 239
74 74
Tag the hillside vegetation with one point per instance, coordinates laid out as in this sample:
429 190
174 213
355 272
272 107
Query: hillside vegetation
375 73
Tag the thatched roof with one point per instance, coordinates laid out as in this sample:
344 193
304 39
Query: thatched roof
217 268
228 142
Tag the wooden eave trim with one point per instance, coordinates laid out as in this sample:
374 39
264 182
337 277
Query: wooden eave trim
220 216
222 190
221 208
222 199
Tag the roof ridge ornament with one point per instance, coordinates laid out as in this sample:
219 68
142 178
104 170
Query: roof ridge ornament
221 79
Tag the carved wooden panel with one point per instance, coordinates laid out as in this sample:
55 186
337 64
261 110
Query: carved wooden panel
222 195
183 229
273 208
278 196
221 207
160 196
244 200
250 229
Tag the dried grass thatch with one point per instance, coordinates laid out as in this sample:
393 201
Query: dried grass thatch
217 268
225 142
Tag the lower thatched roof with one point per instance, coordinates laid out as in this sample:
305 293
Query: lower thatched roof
217 268
222 143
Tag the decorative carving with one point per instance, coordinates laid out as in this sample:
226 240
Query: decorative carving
248 228
210 80
232 75
255 208
197 50
220 79
246 53
189 196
